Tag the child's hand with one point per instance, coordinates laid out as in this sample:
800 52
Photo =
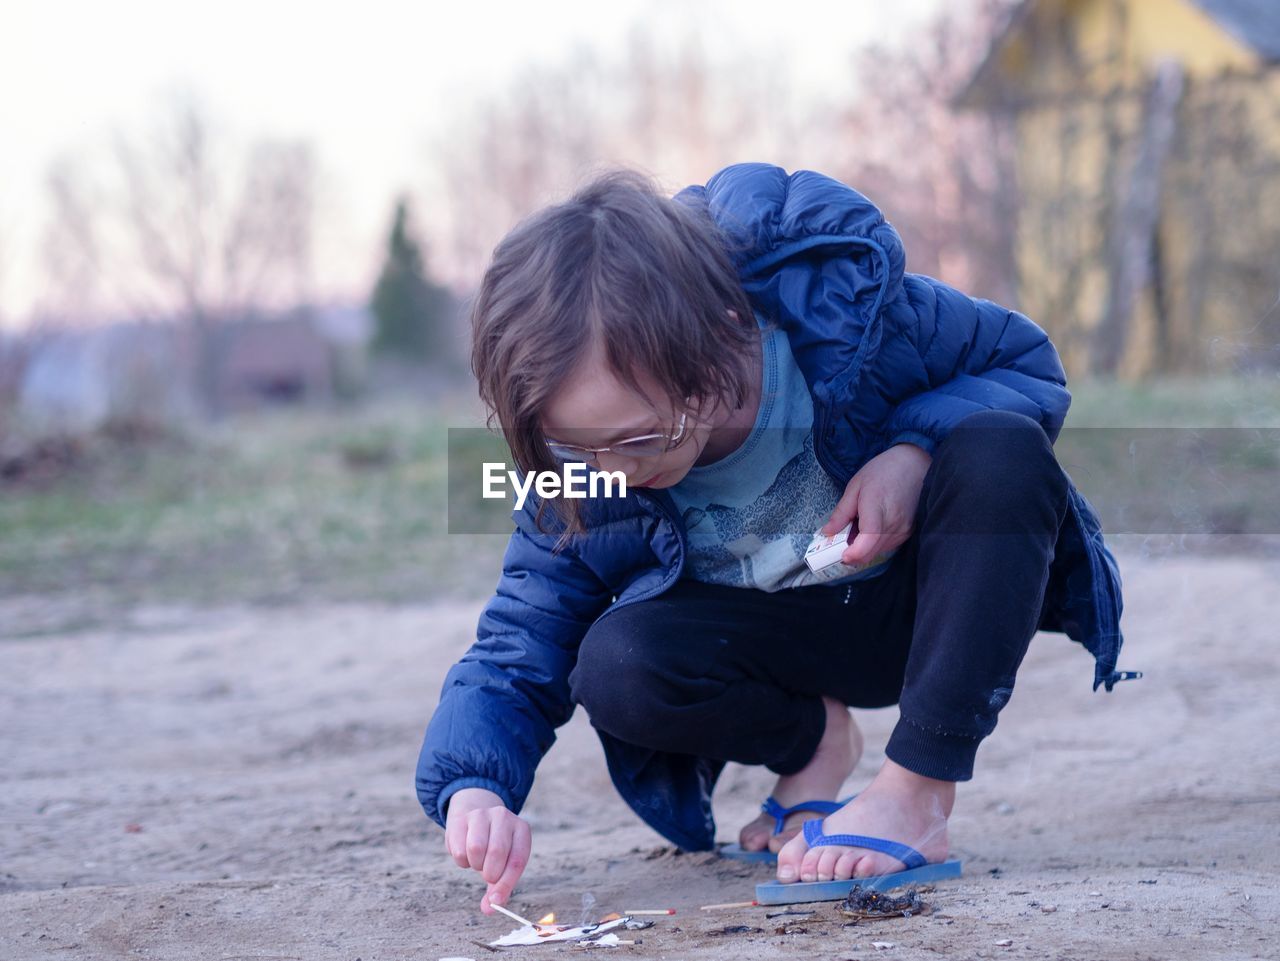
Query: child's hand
481 833
882 497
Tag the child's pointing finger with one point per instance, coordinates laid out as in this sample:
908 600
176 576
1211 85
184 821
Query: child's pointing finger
521 845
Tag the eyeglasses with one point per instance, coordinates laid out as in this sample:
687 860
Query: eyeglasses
646 445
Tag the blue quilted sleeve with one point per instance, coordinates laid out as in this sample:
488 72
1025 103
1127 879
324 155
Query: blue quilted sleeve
976 356
502 701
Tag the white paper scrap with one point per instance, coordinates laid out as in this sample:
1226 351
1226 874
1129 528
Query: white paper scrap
532 935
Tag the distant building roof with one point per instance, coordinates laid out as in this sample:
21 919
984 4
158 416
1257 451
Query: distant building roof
1255 23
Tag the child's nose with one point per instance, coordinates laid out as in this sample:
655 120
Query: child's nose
609 461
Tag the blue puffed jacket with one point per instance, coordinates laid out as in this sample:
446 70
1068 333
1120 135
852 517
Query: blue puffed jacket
888 357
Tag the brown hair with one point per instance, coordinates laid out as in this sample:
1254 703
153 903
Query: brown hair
648 277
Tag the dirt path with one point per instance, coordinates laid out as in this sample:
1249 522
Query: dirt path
238 784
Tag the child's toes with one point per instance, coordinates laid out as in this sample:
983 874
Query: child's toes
809 866
790 859
778 841
872 865
865 866
827 863
753 837
848 864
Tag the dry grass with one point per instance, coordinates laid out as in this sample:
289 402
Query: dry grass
352 505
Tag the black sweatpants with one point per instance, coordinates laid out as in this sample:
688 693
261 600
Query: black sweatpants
737 674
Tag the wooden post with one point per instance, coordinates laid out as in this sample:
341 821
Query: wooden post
1136 215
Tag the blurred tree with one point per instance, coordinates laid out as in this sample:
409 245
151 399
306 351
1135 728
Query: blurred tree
215 239
671 104
412 313
180 224
71 250
945 178
4 263
668 105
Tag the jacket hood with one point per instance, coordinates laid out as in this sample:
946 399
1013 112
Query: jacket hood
813 254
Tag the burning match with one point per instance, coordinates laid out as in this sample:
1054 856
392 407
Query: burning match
512 914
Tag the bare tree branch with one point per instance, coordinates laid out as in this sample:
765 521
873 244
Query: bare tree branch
181 224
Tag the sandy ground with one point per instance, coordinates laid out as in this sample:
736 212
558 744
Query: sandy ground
238 784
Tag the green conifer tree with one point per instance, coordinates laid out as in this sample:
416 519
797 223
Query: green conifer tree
412 314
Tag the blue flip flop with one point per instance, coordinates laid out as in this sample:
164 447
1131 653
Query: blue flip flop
917 868
780 814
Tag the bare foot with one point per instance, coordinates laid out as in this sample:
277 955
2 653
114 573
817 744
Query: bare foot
833 761
897 805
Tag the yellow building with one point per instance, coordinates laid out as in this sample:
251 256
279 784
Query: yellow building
1148 172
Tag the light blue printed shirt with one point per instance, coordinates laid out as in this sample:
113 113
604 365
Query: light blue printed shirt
751 515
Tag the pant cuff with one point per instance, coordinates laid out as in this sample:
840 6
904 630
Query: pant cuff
813 722
944 757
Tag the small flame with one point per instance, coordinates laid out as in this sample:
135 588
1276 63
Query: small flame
548 919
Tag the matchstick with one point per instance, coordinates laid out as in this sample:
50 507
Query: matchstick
736 904
664 912
512 914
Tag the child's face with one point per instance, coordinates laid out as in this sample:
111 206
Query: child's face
594 409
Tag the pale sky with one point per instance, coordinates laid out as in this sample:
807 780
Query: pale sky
365 83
